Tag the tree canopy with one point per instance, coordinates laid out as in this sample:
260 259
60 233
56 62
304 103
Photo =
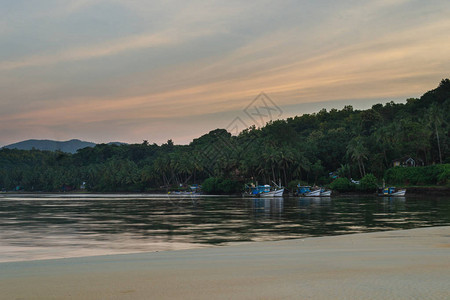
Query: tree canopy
307 148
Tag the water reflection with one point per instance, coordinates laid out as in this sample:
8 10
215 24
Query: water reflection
314 201
268 207
47 227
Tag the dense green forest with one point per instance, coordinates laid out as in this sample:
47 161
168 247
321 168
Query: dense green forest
312 148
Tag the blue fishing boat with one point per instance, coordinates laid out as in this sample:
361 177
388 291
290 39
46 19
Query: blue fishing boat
264 191
307 191
391 192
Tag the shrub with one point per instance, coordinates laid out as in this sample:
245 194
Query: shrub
209 186
444 177
368 183
228 186
214 185
342 185
435 174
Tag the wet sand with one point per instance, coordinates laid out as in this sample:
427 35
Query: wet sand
406 264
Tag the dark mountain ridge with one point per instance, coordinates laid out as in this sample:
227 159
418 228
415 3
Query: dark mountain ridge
50 145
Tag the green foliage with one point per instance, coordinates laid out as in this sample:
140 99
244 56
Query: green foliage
210 186
350 143
218 186
368 183
342 185
428 175
227 186
444 176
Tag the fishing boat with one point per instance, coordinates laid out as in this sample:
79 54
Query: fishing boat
278 192
306 191
325 193
313 193
264 191
194 189
391 192
303 189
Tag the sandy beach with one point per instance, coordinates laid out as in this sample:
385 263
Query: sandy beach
406 264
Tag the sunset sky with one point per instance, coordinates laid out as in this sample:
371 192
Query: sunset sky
133 70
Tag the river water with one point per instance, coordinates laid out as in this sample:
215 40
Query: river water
57 226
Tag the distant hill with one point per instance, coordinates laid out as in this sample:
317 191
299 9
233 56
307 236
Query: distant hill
117 143
68 146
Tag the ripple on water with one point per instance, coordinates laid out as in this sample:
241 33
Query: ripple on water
53 226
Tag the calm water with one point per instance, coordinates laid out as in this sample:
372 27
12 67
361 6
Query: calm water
52 226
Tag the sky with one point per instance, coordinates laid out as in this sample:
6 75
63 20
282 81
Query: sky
134 70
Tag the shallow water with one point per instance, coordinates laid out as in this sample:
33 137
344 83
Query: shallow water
56 226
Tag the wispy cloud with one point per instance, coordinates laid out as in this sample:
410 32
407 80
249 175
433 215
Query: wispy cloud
168 38
213 57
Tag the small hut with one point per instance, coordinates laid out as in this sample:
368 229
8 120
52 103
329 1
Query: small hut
405 161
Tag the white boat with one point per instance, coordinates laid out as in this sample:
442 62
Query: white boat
391 192
305 191
325 193
274 193
315 193
399 193
264 191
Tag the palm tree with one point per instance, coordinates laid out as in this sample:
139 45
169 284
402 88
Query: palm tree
435 119
317 169
161 167
270 159
301 163
357 152
344 171
381 136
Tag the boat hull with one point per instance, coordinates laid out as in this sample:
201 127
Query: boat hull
316 193
400 193
277 193
325 194
392 192
313 194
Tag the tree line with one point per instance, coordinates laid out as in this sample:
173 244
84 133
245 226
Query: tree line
311 148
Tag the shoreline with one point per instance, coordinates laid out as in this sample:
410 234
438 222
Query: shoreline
412 263
412 192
